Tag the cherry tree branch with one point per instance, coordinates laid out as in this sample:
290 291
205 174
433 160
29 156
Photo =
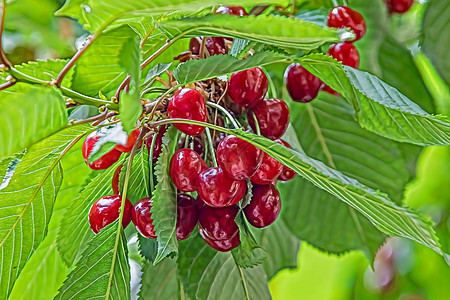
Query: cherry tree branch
3 59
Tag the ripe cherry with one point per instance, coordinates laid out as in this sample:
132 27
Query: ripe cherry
214 45
398 6
272 116
232 10
157 148
343 17
130 142
105 210
264 207
188 104
301 84
185 165
216 189
222 245
197 144
115 180
103 162
187 216
238 158
142 218
247 88
268 171
287 173
346 53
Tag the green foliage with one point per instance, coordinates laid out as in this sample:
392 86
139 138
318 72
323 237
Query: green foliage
139 182
160 281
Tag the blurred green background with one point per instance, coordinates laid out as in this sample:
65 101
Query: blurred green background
402 269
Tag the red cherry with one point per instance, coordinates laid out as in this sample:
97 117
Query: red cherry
398 6
185 165
218 224
232 10
158 143
222 245
301 84
343 17
238 158
272 116
188 104
142 218
105 210
329 90
103 162
268 171
130 142
287 173
115 180
216 189
214 45
198 144
247 88
187 216
346 53
264 207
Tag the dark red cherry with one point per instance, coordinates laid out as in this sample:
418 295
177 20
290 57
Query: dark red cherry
130 142
115 180
142 218
218 223
232 10
398 6
188 104
329 90
343 17
103 162
222 245
216 189
346 53
214 45
247 88
264 207
187 216
185 165
301 84
238 158
272 116
105 210
268 171
287 173
158 143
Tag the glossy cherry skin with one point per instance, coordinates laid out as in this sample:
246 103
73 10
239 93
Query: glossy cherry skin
247 88
105 210
158 143
185 166
232 10
238 158
346 53
343 17
268 171
130 142
272 116
287 173
115 180
216 189
301 84
188 104
398 6
187 216
222 245
142 218
264 207
214 45
103 162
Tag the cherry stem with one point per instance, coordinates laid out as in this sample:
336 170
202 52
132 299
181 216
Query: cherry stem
257 10
159 52
150 159
258 131
335 3
159 101
99 117
345 2
3 59
211 147
223 110
6 85
124 86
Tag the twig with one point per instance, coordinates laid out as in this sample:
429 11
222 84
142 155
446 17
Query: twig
3 59
7 85
99 117
124 86
157 53
158 102
257 10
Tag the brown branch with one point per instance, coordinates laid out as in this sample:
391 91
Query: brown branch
3 59
124 86
7 85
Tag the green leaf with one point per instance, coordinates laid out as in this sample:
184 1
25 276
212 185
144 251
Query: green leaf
82 112
380 107
164 207
160 281
29 114
266 29
139 182
209 274
240 46
102 271
435 30
148 248
26 203
109 137
156 71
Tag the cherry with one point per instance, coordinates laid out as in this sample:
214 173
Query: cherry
218 228
187 216
287 173
232 10
158 143
103 162
197 143
398 6
105 210
247 88
264 207
216 189
185 165
272 116
142 218
301 84
268 171
343 16
188 104
214 45
130 142
238 158
115 180
346 53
